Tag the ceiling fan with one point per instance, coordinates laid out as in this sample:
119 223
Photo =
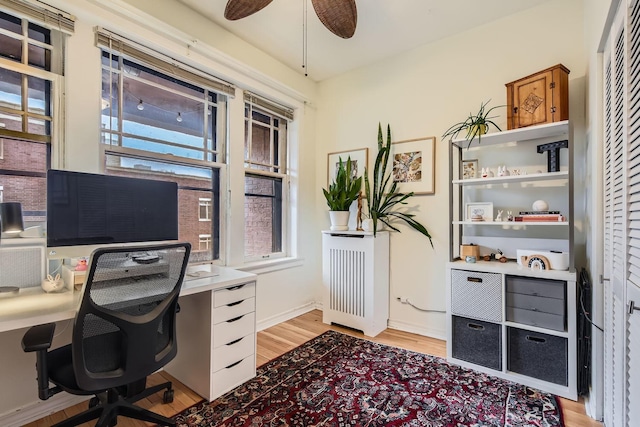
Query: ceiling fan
339 16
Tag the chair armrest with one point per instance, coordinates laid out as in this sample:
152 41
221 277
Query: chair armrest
38 337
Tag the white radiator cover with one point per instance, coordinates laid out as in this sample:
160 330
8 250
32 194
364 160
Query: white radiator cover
355 278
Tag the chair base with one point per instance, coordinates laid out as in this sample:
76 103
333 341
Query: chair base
113 405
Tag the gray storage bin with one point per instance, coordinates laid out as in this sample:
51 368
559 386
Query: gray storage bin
477 342
537 355
536 318
536 287
477 295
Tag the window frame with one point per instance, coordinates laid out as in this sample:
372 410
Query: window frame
282 166
207 203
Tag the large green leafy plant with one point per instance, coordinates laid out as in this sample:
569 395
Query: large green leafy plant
344 189
383 198
475 125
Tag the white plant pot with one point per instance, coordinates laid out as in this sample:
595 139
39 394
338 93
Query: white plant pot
339 220
367 224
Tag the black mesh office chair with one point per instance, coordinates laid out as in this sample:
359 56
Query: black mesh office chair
123 332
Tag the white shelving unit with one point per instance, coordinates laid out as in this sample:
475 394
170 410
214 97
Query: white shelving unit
503 318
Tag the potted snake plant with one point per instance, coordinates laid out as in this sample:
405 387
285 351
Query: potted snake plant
342 192
383 197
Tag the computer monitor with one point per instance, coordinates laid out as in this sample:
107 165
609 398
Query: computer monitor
85 211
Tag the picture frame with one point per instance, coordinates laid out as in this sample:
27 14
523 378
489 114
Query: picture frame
479 208
413 165
359 160
470 169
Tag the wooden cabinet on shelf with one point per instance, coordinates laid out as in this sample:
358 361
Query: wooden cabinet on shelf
540 98
507 319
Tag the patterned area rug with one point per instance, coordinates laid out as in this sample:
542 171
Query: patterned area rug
339 380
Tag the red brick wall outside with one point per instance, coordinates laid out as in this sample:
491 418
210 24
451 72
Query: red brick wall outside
30 191
258 211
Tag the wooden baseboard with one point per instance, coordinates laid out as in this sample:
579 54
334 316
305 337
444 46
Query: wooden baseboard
417 329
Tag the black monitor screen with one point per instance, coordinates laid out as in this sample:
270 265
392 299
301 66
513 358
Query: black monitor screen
91 209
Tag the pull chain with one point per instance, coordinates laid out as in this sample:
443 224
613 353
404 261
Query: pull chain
305 64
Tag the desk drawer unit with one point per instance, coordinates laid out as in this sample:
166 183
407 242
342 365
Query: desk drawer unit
476 295
536 302
234 337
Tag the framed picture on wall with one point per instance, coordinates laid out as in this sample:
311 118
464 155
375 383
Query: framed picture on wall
413 165
359 158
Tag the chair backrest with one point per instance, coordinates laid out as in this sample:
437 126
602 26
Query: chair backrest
125 327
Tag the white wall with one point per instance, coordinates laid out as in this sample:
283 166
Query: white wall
421 93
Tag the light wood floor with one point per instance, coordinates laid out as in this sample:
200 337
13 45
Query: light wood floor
281 338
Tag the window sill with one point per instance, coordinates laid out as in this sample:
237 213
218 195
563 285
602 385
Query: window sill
268 266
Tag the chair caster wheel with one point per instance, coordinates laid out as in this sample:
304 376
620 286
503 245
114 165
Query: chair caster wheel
168 396
93 402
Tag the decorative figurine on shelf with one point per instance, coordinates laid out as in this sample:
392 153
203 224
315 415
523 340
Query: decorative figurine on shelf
484 173
502 171
509 216
540 205
82 265
499 216
52 284
515 172
359 217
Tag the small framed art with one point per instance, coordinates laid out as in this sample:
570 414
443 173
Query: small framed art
479 212
359 158
470 169
414 167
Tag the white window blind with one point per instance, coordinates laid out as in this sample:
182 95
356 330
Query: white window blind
121 46
270 106
42 14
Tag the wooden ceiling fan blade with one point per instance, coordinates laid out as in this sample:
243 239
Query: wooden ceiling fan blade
238 9
339 16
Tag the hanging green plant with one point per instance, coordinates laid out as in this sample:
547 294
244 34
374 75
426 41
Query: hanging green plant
475 125
383 199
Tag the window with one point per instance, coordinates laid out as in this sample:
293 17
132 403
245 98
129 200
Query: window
30 72
161 121
205 242
266 179
205 209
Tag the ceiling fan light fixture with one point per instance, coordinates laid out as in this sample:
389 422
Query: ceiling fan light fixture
339 16
238 9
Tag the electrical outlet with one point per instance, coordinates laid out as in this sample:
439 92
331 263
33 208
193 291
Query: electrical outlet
403 300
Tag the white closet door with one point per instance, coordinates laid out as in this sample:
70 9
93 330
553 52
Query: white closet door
633 276
615 231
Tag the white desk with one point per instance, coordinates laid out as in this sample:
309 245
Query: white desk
197 298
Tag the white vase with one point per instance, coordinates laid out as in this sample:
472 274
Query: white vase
339 220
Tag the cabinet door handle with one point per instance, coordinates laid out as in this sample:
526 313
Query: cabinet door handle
235 319
231 304
235 341
536 339
475 326
233 364
474 279
632 307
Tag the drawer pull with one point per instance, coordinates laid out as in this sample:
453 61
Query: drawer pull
475 326
536 339
235 341
235 288
235 319
474 279
233 364
231 304
534 309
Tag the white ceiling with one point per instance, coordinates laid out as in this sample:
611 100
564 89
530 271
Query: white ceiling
385 28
